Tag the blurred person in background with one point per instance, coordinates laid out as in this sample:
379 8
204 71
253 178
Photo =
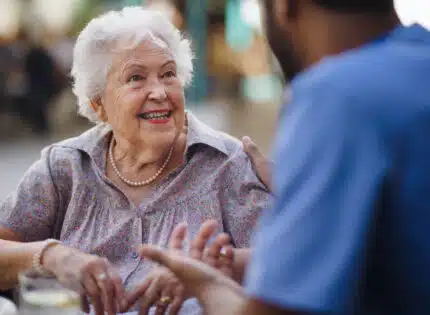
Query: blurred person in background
348 233
44 82
13 81
32 81
146 166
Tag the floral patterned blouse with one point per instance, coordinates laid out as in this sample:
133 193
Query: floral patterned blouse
66 195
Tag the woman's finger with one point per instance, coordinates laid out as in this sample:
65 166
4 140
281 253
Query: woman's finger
178 300
107 289
149 298
225 261
212 253
136 294
198 244
93 293
165 300
178 236
118 288
85 304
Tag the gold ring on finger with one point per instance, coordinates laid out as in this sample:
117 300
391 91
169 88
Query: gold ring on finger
164 301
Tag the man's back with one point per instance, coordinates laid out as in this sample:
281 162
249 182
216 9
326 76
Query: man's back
355 192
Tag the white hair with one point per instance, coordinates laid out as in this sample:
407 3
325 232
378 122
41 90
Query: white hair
107 34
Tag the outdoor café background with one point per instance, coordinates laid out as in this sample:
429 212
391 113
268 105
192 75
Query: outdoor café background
237 86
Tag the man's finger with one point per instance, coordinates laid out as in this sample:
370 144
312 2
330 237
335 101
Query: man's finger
178 235
251 148
199 242
156 254
261 164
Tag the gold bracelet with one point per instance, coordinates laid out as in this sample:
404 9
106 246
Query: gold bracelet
37 258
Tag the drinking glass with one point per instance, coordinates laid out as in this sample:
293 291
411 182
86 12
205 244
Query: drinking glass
40 294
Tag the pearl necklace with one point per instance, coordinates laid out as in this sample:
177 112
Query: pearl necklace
141 183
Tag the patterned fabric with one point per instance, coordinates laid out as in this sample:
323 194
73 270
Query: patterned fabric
66 195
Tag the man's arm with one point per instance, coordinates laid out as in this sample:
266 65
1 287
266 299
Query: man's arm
218 294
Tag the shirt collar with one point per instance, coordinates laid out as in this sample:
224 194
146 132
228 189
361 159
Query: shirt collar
200 133
95 141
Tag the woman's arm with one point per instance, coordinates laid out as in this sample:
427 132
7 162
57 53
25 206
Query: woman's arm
90 275
15 257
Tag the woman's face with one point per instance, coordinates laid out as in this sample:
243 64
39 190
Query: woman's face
144 99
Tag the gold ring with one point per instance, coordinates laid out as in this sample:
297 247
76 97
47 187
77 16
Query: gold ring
164 301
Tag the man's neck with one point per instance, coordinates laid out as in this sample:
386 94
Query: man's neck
340 32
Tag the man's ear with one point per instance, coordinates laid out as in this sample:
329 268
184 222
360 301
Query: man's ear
284 11
97 106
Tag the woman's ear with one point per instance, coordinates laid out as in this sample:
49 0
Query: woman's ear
97 106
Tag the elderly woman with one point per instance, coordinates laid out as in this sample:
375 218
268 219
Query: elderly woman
84 208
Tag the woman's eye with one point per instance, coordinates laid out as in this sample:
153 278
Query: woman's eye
136 77
169 74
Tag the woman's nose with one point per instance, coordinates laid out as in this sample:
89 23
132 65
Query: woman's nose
157 92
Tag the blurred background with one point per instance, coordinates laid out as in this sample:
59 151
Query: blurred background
237 85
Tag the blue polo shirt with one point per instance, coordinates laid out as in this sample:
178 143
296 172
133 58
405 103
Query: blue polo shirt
350 231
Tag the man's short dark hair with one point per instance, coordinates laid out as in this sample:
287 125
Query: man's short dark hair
357 6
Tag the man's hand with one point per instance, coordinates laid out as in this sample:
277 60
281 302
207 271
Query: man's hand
207 284
183 266
262 165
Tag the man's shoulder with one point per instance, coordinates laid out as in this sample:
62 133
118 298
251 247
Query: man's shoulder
374 82
375 71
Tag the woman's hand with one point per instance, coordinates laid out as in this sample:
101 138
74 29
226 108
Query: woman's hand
92 276
219 254
160 289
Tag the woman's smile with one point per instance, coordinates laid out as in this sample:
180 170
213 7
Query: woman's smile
156 116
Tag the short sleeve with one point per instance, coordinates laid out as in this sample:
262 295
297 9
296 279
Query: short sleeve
243 197
31 210
330 163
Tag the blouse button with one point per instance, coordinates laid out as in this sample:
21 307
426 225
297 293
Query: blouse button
134 255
